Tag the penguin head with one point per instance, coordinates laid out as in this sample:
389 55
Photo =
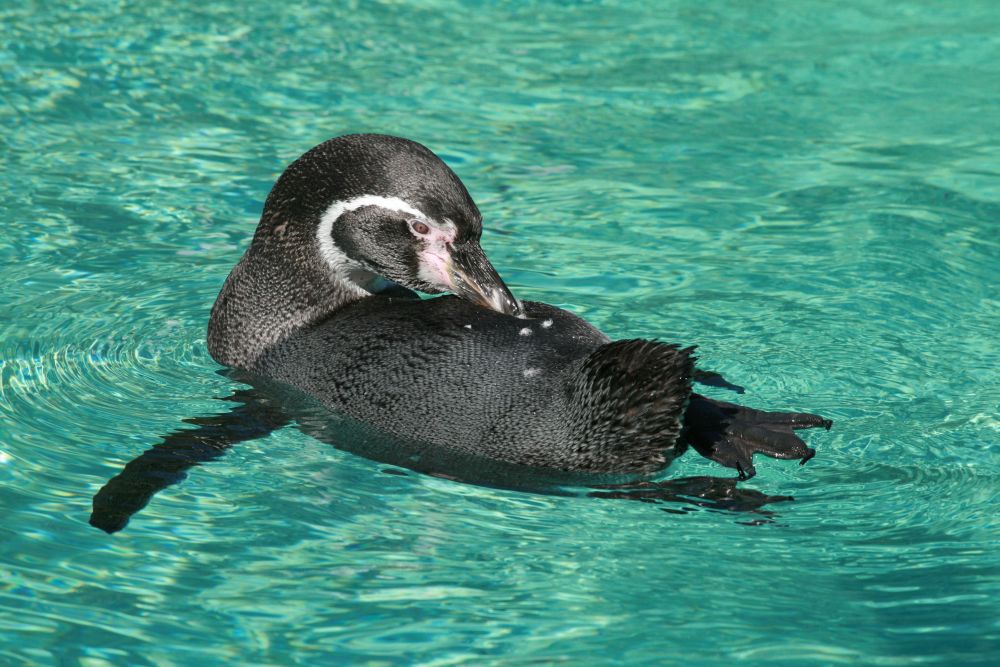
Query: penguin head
382 208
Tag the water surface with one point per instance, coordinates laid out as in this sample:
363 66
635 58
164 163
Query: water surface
809 192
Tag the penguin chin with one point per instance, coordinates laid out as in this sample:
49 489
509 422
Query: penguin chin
373 282
427 288
421 286
383 284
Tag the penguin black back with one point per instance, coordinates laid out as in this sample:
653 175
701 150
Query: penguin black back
526 391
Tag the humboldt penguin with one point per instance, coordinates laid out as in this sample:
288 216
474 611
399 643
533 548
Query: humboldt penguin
325 301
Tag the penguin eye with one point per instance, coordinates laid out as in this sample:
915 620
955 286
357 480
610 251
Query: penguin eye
420 227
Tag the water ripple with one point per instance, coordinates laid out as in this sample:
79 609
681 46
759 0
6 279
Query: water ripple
810 197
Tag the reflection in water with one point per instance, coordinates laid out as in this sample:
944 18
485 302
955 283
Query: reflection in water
256 413
713 493
253 416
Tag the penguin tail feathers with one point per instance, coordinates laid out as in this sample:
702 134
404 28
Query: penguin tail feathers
628 400
731 434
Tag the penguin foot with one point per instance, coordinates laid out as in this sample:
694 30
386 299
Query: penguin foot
731 434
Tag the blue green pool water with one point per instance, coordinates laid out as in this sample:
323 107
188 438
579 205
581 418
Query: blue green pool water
809 191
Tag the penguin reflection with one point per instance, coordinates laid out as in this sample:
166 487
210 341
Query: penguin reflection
255 413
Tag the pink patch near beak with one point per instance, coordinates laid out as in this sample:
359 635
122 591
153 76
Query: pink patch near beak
435 258
434 269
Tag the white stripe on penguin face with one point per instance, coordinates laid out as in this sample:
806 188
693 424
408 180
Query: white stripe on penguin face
340 263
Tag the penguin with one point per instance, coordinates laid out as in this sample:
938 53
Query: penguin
321 320
325 301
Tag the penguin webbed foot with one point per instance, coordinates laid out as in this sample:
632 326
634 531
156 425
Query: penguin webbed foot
731 434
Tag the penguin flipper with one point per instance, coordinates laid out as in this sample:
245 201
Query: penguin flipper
166 463
627 404
731 434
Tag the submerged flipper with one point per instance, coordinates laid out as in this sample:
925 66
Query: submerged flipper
253 416
731 434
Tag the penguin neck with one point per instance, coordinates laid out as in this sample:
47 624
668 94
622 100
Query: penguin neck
282 284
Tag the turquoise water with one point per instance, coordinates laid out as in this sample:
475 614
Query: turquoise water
809 191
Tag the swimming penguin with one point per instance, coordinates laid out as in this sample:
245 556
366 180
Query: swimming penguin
324 302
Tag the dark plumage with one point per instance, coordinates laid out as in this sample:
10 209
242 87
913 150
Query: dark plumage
321 302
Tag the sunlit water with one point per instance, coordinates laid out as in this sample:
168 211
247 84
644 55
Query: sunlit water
808 191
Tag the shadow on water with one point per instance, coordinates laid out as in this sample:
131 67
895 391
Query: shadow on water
267 406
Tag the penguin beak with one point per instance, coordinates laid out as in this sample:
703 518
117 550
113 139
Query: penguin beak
472 277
